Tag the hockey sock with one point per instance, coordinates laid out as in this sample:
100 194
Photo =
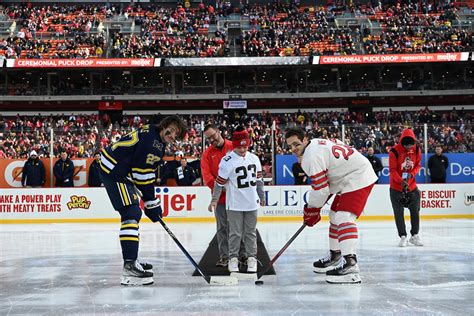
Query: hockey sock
347 236
129 240
333 237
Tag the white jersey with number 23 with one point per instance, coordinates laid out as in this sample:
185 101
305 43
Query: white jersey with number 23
239 175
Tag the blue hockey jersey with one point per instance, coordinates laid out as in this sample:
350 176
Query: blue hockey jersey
135 157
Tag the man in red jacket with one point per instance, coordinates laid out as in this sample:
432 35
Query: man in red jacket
209 169
404 164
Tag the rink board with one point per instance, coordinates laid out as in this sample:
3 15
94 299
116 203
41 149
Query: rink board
283 203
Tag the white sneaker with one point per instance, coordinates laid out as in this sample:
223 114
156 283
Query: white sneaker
415 240
251 265
233 265
403 241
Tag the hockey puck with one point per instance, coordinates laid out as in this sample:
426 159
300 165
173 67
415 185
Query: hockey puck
258 282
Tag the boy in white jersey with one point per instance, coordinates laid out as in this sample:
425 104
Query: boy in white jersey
240 172
335 168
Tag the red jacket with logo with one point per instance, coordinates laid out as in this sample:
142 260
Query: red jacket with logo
397 156
210 165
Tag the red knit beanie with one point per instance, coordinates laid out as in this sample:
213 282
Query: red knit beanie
241 139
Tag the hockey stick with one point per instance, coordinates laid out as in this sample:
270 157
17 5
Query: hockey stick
212 280
270 264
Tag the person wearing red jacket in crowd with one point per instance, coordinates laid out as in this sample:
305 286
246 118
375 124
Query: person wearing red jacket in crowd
209 169
404 164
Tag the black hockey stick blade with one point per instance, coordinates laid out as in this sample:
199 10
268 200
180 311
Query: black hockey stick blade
212 280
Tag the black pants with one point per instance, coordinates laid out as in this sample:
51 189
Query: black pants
398 211
438 180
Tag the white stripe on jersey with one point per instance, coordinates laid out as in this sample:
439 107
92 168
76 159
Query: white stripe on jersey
140 176
106 162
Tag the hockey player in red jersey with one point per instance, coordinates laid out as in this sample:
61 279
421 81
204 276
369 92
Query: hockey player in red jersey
335 169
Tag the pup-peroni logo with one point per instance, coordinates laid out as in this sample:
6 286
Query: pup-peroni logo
78 202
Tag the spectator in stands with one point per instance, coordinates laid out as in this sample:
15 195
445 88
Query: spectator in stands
94 179
84 134
374 161
64 171
184 174
438 164
168 171
33 173
300 177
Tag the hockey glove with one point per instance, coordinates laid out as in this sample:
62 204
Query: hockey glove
153 210
311 215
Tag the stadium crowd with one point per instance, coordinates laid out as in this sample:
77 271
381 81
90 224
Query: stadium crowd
171 32
82 135
150 46
274 29
280 29
417 28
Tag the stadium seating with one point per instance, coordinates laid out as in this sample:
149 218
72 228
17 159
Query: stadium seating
276 29
82 135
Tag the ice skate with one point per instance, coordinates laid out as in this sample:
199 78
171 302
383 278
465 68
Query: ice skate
134 274
146 265
328 262
415 240
346 272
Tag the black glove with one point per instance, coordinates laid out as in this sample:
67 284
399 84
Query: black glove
153 210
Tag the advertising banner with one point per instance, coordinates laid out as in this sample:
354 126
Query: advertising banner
235 61
390 58
283 169
57 203
11 172
110 105
236 104
81 63
92 204
460 169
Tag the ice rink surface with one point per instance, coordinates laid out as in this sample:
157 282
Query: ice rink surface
75 269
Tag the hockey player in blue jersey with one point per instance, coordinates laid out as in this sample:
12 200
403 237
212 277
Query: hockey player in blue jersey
130 164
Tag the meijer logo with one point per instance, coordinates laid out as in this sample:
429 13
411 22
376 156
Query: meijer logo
174 202
468 199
